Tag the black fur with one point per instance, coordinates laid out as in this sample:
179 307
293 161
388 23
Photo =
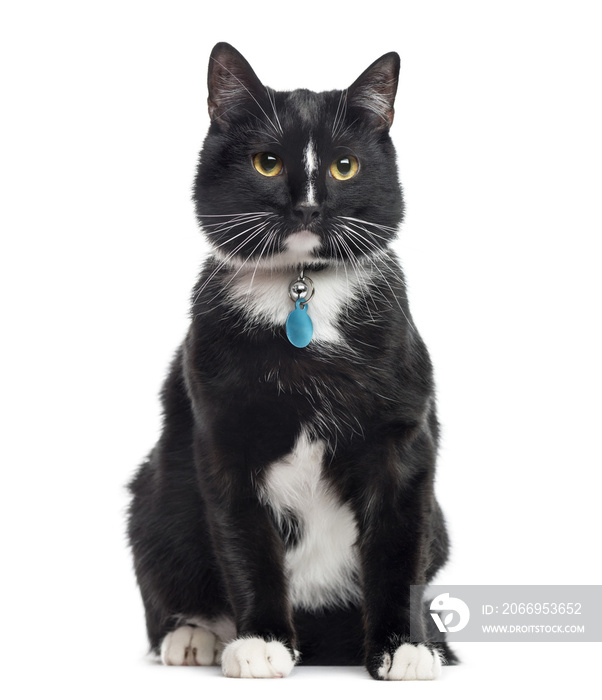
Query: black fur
238 393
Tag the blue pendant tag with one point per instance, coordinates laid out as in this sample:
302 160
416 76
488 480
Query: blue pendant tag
299 328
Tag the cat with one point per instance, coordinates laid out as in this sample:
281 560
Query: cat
288 505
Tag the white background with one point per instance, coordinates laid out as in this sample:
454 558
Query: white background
498 136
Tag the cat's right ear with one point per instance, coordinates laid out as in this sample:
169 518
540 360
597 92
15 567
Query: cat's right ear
232 83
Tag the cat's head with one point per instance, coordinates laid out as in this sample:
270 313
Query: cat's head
290 178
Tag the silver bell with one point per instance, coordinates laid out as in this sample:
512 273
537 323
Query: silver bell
298 289
301 289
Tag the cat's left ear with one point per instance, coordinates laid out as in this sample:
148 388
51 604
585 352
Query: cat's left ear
374 91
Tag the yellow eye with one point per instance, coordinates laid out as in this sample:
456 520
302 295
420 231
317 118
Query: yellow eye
268 164
344 168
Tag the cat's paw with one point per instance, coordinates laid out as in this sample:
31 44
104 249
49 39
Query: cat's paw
253 657
189 646
410 662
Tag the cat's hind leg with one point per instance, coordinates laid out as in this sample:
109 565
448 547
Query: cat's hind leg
190 646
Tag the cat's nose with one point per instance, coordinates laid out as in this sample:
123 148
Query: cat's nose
307 212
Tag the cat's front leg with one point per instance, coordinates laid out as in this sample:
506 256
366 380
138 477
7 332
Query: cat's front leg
251 558
252 561
394 548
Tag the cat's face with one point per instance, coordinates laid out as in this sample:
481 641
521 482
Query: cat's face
290 178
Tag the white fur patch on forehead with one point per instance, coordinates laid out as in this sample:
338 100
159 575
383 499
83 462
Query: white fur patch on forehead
311 163
310 157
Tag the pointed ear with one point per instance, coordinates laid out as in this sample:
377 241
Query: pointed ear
231 82
374 91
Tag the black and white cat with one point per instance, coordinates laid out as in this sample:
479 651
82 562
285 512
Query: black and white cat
288 506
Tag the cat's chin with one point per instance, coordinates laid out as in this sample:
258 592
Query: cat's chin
302 244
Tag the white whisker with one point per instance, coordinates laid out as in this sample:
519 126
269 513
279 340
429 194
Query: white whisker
231 255
273 103
270 237
245 213
241 266
224 226
340 114
357 267
382 227
369 247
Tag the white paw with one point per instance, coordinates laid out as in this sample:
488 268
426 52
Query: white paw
253 657
189 646
411 662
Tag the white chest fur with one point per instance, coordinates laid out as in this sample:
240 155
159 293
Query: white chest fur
322 567
262 294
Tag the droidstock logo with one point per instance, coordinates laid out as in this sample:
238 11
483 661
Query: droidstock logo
446 609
